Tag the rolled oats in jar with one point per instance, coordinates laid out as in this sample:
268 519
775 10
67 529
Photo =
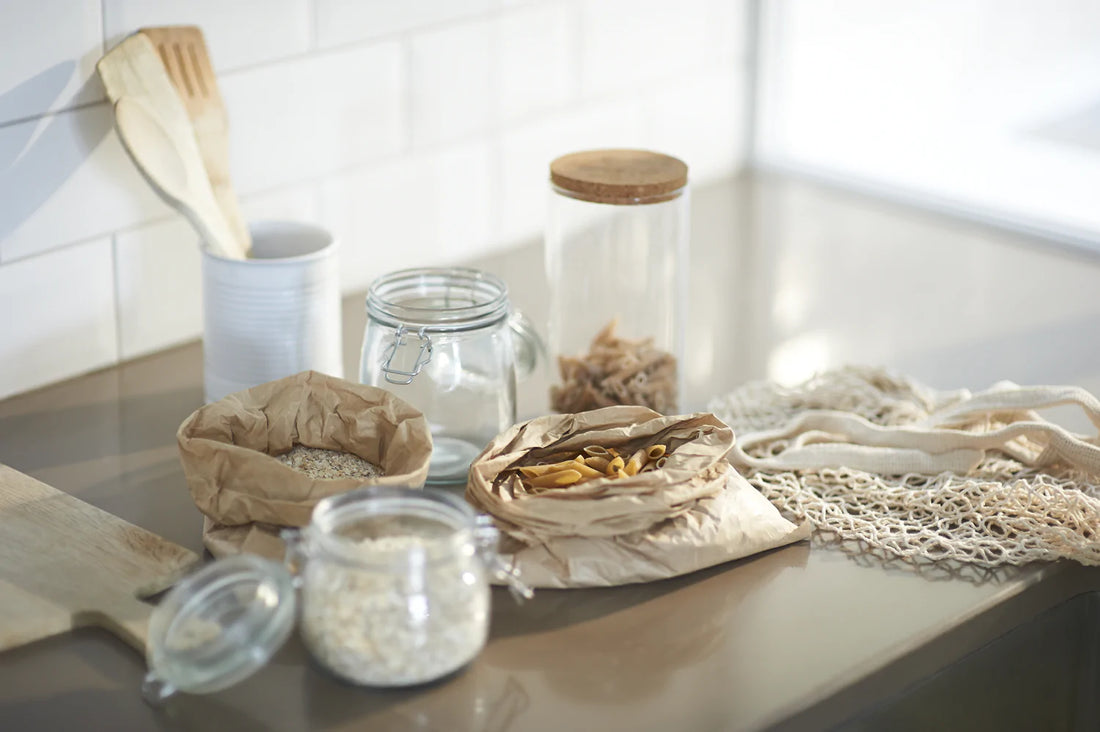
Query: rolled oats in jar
394 585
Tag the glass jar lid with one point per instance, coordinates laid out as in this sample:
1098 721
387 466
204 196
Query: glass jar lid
218 626
438 299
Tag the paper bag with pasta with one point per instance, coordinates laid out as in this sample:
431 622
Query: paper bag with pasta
621 495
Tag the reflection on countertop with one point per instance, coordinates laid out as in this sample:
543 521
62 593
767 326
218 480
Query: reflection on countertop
787 278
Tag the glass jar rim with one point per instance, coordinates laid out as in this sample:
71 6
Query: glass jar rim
486 302
337 511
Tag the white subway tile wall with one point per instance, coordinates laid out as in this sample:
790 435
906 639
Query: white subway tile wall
419 132
426 209
450 83
536 66
301 119
239 33
58 314
53 70
66 178
341 22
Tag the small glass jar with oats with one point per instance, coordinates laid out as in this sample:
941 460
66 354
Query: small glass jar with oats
616 258
395 584
394 591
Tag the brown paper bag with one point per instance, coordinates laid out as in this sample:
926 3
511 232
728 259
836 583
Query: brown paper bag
693 513
247 495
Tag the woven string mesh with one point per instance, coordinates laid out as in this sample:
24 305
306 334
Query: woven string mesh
1001 513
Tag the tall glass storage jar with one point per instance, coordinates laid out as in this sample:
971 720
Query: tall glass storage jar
616 258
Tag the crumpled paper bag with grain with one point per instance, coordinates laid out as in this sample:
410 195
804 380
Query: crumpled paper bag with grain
695 512
248 496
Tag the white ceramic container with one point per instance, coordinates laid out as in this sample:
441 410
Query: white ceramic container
274 314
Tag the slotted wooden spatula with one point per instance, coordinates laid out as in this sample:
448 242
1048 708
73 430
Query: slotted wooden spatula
182 50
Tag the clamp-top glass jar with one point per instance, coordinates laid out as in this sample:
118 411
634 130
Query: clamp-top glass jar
616 258
443 340
394 586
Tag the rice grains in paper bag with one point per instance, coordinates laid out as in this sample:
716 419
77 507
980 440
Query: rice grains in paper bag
692 512
247 495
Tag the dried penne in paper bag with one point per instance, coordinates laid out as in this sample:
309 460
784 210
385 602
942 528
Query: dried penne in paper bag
620 495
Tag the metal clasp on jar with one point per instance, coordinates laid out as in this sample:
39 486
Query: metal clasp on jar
423 356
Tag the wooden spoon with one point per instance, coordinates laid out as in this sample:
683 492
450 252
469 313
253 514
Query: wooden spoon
177 175
156 132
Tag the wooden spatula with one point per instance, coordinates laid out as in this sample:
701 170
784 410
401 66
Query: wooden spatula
156 132
182 50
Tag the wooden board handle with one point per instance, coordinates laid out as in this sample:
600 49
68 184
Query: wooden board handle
128 619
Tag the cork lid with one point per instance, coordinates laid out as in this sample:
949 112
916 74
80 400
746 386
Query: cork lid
619 176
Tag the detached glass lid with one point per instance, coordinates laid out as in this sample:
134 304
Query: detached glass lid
218 626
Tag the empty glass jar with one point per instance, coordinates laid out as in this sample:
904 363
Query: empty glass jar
616 260
446 341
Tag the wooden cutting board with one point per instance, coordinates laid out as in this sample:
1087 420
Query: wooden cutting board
66 564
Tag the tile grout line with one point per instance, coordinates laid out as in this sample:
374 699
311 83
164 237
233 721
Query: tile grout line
52 113
316 50
617 94
408 141
102 28
494 136
117 297
753 21
314 32
576 51
381 39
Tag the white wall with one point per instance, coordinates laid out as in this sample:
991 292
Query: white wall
418 130
985 108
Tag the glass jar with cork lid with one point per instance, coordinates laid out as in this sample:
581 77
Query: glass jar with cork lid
616 258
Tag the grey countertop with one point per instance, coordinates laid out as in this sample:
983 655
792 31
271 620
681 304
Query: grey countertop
787 277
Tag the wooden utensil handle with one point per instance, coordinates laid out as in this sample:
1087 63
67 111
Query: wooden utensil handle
128 619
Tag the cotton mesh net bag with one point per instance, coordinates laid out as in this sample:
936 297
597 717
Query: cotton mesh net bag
878 462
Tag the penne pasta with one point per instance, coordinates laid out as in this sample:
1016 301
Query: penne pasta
597 463
636 461
593 462
533 471
555 480
597 451
586 472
